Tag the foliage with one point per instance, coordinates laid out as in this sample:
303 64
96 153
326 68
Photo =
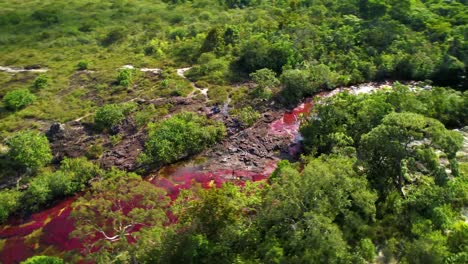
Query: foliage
109 115
43 260
180 136
266 80
336 205
41 82
246 115
94 151
29 149
112 213
72 176
82 65
340 121
212 224
328 203
18 99
125 77
9 203
258 53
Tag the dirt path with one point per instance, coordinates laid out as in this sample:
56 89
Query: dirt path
181 72
17 69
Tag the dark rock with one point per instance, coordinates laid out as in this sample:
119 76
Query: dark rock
56 131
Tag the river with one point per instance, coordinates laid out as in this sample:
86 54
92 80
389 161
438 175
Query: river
47 232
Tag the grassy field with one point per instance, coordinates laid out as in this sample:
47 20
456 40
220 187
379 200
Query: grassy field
107 35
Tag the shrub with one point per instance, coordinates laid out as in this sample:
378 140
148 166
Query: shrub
29 149
94 151
46 16
247 115
82 65
114 36
41 82
82 169
109 115
116 139
146 114
125 77
179 136
37 195
9 203
18 99
43 260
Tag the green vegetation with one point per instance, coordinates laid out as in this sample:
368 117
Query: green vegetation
17 99
9 203
41 82
125 77
112 210
29 149
180 136
246 115
82 65
109 115
381 177
308 44
43 260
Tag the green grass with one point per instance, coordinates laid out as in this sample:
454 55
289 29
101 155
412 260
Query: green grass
79 35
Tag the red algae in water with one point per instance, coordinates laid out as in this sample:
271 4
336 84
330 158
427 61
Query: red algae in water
20 231
57 232
289 124
15 251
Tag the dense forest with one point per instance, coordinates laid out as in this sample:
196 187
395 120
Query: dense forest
234 131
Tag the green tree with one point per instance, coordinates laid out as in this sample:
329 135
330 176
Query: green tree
259 53
9 203
29 149
212 224
388 150
43 260
42 81
114 212
109 115
18 99
246 115
180 136
125 77
82 65
265 80
214 41
296 85
312 215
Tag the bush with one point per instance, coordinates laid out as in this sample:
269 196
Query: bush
29 149
82 169
43 260
296 84
180 136
47 16
82 65
109 115
147 113
18 99
9 203
114 36
94 151
37 195
72 177
42 81
247 115
125 77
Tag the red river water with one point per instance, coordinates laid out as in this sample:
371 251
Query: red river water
47 232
